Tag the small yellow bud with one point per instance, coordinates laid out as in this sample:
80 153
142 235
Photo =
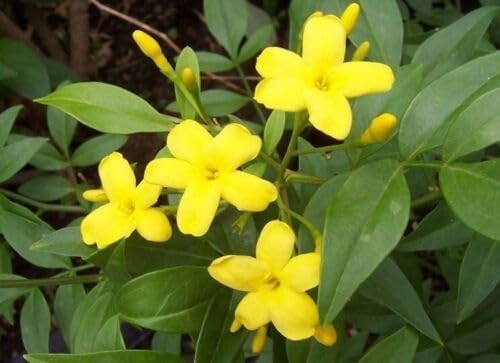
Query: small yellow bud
350 17
95 195
189 78
151 49
361 52
326 335
380 128
259 339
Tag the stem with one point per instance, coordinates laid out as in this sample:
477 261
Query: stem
51 281
329 148
268 159
43 206
315 233
298 126
293 176
426 199
424 164
249 92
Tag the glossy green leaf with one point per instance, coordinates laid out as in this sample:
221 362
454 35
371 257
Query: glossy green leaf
257 41
94 149
475 128
273 131
187 59
116 265
35 323
108 108
435 103
46 188
389 286
479 274
397 348
64 242
16 155
227 21
172 300
61 126
66 301
7 119
31 79
135 356
213 62
453 45
109 336
470 191
49 158
365 221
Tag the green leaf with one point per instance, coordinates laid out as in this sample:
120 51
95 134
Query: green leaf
365 221
213 62
217 102
12 293
477 340
31 79
227 21
173 300
170 343
397 348
439 229
435 103
46 188
109 336
108 108
135 356
273 131
94 149
61 126
49 158
6 72
7 119
64 242
479 274
35 323
469 191
454 45
389 286
475 128
66 301
116 265
16 155
257 41
187 59
383 29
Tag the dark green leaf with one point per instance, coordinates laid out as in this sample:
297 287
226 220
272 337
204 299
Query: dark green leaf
12 293
213 62
397 348
273 131
94 149
66 301
257 41
64 242
7 119
478 340
169 343
49 158
35 323
16 155
129 356
6 72
61 126
46 188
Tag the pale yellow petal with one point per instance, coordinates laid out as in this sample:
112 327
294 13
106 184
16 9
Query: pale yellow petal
253 311
355 79
349 17
326 335
294 314
279 62
242 273
117 178
187 140
323 44
146 194
282 93
231 148
329 112
153 225
169 172
275 244
197 207
301 273
248 192
95 195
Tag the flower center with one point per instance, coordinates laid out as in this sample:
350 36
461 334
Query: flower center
211 174
272 282
321 84
127 207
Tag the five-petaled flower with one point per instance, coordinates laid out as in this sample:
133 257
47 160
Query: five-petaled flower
276 284
129 207
319 81
206 167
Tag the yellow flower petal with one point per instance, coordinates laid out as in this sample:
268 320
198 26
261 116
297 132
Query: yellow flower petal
253 311
95 195
231 148
282 93
275 244
106 225
242 273
349 17
248 192
329 112
323 43
355 79
301 273
294 314
279 62
169 172
326 335
146 194
187 140
197 207
117 178
380 128
153 225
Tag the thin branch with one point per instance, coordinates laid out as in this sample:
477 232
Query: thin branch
11 30
79 34
51 281
43 206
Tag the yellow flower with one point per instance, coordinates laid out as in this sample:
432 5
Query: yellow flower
129 207
206 167
151 49
380 128
319 81
276 284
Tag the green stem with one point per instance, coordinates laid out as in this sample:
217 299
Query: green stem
315 233
51 281
298 125
424 164
268 159
243 78
169 209
327 149
43 206
293 176
426 199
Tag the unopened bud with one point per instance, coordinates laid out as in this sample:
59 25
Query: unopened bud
326 335
189 78
235 326
380 129
259 339
350 17
95 195
151 49
361 52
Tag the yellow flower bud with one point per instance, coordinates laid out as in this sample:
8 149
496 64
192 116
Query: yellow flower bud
380 128
361 52
259 339
151 49
95 195
189 78
235 326
326 335
350 17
